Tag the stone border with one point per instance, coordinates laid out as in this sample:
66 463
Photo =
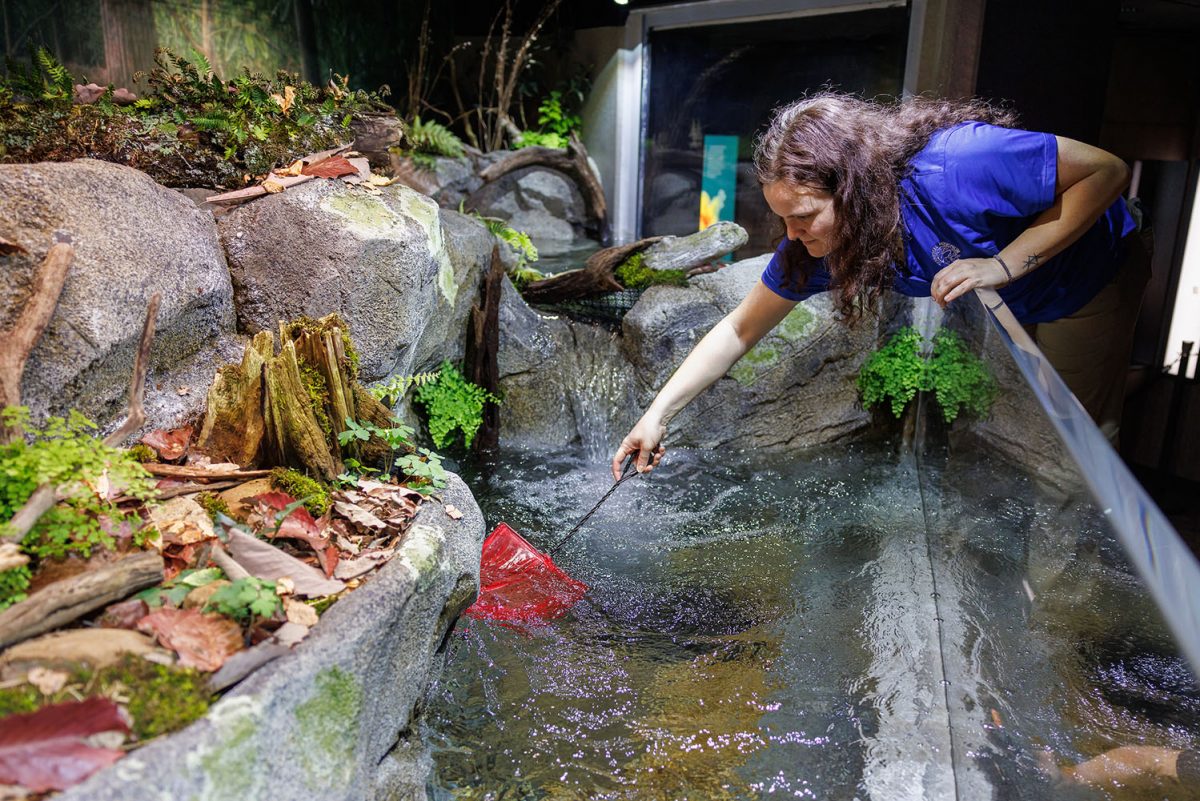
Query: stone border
317 723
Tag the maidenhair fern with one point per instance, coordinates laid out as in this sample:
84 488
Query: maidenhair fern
453 404
391 391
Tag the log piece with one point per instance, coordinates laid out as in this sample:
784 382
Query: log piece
574 162
65 601
137 383
234 427
201 473
482 351
596 277
294 436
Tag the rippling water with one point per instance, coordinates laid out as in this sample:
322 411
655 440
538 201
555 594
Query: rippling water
838 626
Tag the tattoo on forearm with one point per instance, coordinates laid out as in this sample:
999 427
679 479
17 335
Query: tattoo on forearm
1032 261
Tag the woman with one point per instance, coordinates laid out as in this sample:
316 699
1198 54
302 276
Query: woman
935 198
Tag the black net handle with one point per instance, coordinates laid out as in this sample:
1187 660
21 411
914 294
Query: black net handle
627 472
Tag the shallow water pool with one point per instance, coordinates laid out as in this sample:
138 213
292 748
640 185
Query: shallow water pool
841 625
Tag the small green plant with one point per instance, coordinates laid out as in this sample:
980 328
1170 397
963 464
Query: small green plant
429 139
13 584
416 463
395 388
212 503
959 378
894 373
518 241
65 454
897 371
246 599
555 125
298 485
634 274
173 591
453 404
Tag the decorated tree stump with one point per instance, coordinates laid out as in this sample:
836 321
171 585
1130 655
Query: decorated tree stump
287 408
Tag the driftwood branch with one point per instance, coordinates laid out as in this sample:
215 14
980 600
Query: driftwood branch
30 512
282 181
65 601
137 383
18 341
201 473
595 278
574 162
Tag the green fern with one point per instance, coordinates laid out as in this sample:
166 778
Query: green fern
398 386
57 81
453 404
435 139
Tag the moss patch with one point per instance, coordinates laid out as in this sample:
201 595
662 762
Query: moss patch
798 324
143 453
298 485
761 356
363 211
214 504
326 732
634 274
232 767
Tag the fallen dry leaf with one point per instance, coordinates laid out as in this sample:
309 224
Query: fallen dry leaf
272 186
182 521
299 613
369 560
263 560
203 641
170 445
380 180
47 681
8 247
123 614
452 512
298 525
358 515
45 750
334 167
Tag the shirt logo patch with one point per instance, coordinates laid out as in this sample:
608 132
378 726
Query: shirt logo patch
944 254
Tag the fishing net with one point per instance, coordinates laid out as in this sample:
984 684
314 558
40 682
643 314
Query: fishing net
520 584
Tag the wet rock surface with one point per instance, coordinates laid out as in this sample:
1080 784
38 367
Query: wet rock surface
402 272
566 381
318 722
132 238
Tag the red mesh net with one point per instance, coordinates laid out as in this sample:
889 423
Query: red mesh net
519 583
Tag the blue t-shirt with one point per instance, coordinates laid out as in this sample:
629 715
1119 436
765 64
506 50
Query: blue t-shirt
971 191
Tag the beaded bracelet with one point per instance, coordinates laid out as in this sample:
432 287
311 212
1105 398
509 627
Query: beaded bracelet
1007 271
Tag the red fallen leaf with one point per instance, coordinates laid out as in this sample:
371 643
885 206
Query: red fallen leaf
329 560
8 247
171 445
203 641
123 615
45 751
299 525
330 168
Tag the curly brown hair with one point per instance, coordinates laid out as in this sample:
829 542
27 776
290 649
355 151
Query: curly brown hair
858 151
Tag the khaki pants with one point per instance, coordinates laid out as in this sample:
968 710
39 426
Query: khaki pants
1091 348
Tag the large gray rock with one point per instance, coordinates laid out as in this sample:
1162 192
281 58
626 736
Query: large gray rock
564 383
132 238
317 723
449 181
542 202
795 388
400 271
685 252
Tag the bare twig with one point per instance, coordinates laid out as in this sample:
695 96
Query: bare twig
30 512
17 343
201 473
137 384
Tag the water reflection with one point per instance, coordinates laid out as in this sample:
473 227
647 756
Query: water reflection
806 628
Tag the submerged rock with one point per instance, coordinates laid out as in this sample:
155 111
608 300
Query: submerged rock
132 238
685 252
402 272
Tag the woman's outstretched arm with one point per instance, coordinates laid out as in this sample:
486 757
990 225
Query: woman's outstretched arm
712 357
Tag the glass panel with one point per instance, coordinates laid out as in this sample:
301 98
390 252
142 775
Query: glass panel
723 80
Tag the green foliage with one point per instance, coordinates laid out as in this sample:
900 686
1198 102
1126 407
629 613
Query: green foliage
957 378
314 494
198 128
172 592
894 373
555 125
143 453
430 138
13 584
395 388
519 242
246 599
213 504
634 274
65 454
453 404
419 464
